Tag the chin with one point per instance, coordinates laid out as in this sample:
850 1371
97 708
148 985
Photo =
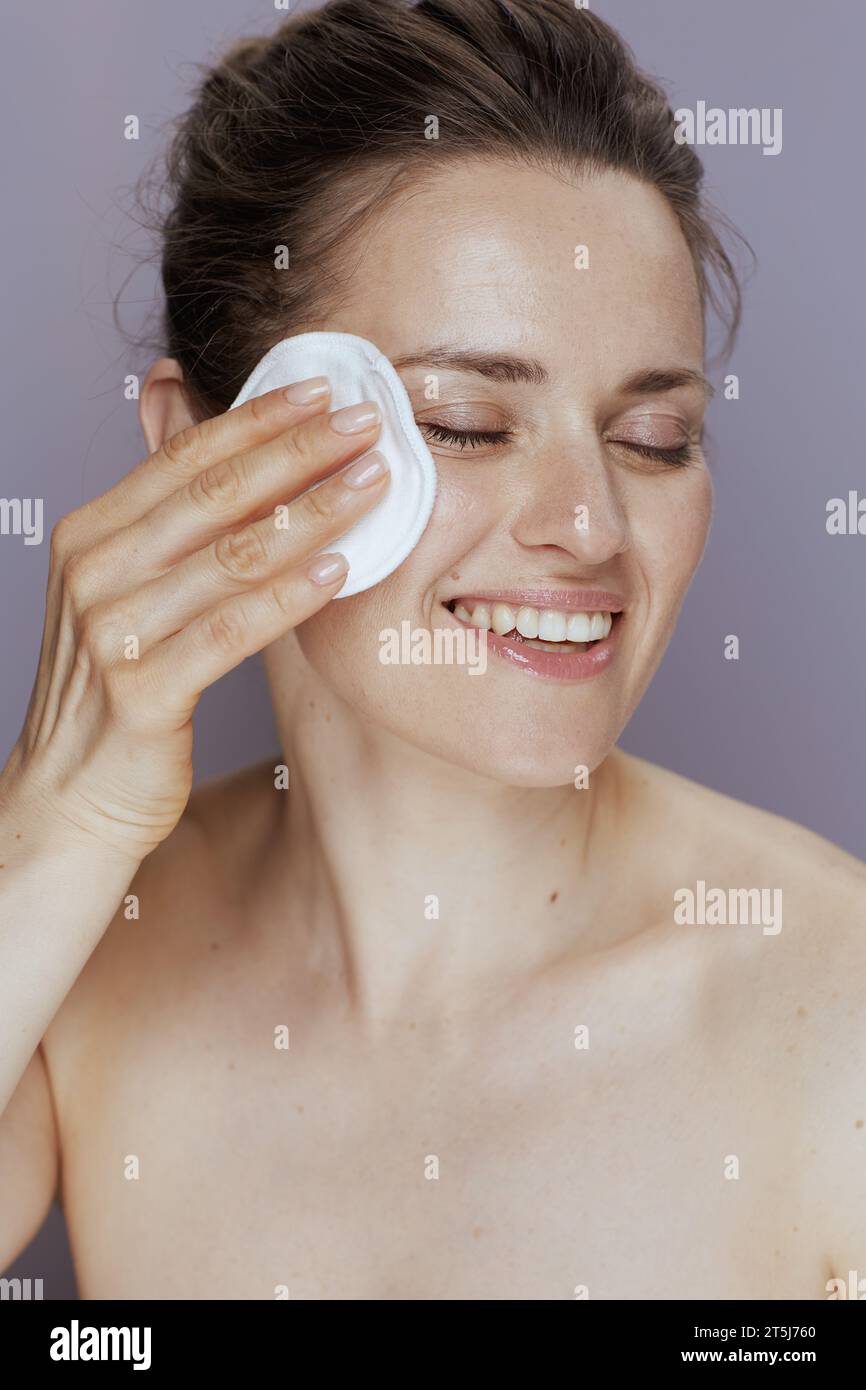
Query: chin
545 770
557 762
560 753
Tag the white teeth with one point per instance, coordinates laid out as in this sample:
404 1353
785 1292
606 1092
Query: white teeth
503 619
552 625
526 622
538 626
549 646
578 627
481 616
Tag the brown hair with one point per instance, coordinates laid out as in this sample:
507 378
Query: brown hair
296 138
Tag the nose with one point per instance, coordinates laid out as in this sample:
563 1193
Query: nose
571 501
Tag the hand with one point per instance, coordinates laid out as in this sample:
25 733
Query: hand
167 581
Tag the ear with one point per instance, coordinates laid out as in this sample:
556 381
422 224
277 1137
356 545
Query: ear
162 406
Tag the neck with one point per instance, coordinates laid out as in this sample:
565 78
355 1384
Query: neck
421 885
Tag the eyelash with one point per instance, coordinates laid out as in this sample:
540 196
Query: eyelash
474 439
675 458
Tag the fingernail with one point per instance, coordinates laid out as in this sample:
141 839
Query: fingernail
355 418
327 569
305 392
366 471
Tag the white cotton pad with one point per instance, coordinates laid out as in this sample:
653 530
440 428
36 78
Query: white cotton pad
358 371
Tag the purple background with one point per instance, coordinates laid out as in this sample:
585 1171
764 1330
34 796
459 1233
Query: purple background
783 727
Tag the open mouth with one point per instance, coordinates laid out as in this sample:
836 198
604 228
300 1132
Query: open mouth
541 629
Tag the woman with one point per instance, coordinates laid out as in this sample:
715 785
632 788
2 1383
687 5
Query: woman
465 1003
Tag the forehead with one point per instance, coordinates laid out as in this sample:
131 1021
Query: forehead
486 254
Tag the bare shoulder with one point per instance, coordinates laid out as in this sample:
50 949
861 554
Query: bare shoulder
714 840
712 827
787 989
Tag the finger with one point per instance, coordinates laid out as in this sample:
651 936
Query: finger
240 560
73 578
187 453
220 639
224 495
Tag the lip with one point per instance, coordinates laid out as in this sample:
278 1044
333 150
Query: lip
567 600
565 667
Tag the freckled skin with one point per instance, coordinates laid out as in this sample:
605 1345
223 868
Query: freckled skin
504 247
437 915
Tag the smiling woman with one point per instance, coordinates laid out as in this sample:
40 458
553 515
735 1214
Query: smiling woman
515 1071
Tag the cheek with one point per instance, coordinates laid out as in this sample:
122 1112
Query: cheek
669 529
465 513
342 641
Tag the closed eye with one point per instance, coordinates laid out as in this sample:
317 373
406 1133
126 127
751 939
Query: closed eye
476 439
463 439
677 458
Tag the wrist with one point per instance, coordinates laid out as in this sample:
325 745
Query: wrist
35 822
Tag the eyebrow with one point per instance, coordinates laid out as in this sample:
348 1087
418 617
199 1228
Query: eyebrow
656 380
508 368
496 367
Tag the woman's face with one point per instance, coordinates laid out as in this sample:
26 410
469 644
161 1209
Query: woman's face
550 496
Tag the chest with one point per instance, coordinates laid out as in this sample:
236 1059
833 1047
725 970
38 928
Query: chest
230 1171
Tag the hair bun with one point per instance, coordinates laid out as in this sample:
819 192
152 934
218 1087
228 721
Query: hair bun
296 137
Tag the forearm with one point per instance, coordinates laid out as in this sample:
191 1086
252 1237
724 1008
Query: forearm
59 890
